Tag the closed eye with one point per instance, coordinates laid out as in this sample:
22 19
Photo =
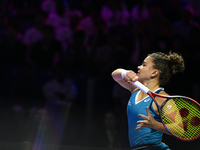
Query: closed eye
144 64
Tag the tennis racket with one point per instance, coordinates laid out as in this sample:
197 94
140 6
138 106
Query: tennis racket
180 115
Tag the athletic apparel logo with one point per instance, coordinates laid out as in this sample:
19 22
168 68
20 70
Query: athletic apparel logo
169 106
129 103
146 100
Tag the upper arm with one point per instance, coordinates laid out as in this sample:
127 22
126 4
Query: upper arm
159 101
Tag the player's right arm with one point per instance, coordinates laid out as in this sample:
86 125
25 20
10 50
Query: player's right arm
126 81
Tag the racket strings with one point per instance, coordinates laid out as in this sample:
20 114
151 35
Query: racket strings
182 118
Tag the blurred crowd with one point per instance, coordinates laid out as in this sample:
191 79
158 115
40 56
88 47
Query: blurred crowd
50 48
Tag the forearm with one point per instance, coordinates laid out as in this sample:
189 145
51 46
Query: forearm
116 74
160 127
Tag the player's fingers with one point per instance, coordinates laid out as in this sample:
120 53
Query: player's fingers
141 121
134 79
143 116
148 112
133 76
139 126
127 80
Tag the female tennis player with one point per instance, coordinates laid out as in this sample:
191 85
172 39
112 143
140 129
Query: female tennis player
144 123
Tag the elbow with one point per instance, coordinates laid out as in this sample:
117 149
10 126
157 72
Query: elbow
116 74
113 74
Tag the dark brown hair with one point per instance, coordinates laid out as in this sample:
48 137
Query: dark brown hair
167 64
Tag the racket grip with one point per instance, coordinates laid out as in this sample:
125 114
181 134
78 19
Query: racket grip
136 83
141 86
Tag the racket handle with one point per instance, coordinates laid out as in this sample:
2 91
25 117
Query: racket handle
141 86
136 83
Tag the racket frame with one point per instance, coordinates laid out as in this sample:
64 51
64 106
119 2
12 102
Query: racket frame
152 94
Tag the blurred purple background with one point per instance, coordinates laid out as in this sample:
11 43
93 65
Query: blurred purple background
56 59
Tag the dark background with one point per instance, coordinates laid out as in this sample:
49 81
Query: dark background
88 50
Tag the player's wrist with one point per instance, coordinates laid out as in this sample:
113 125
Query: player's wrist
123 73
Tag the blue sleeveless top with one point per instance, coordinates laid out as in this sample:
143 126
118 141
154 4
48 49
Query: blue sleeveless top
144 135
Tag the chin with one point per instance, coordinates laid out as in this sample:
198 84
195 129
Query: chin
140 80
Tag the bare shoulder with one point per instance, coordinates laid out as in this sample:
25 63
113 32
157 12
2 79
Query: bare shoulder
160 100
163 93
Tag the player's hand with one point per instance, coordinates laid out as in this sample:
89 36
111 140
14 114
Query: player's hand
148 121
130 77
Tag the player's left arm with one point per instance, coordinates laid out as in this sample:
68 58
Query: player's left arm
150 122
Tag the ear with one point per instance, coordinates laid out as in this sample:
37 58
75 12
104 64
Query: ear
154 73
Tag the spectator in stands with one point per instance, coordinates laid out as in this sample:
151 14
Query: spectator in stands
115 13
34 34
64 22
61 89
65 32
59 17
91 25
48 6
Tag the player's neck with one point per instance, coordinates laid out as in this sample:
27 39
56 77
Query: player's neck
152 85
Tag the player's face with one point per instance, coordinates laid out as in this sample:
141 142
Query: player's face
145 70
